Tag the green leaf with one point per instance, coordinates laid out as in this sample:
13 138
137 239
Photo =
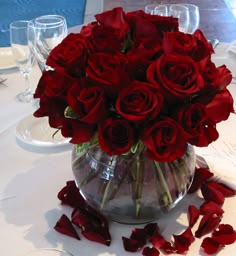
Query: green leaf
69 113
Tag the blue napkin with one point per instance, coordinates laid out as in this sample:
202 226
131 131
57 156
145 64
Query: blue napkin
11 10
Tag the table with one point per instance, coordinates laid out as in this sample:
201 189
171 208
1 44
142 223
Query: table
31 176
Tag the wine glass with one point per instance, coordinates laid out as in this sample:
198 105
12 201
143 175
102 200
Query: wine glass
182 13
22 55
48 252
157 9
194 17
46 32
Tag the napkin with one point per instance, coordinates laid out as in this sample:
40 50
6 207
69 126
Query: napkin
224 170
231 49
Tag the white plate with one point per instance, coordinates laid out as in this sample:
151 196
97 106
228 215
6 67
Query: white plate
6 58
36 131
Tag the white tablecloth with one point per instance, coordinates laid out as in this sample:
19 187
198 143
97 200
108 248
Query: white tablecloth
31 176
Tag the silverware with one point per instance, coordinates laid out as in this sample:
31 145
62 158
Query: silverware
2 81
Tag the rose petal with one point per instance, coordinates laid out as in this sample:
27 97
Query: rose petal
150 251
210 246
193 214
226 191
65 227
70 195
80 219
200 175
132 245
159 242
168 248
92 227
151 228
211 207
211 194
207 224
183 241
97 234
139 234
225 234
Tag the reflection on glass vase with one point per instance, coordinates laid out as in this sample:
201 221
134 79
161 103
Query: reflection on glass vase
131 188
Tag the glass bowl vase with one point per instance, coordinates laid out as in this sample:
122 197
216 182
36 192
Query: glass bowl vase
132 188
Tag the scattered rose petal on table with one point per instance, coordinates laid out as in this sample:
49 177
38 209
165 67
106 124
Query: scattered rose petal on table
225 234
183 241
150 251
200 176
139 237
212 194
70 195
159 242
226 191
207 224
211 207
210 246
132 245
92 226
65 227
193 214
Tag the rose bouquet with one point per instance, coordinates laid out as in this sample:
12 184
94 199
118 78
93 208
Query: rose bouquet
132 83
130 78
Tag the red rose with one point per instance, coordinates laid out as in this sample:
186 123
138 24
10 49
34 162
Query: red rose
106 39
79 132
220 107
89 103
140 57
53 108
199 128
115 136
115 19
215 78
54 84
187 44
108 71
52 90
165 140
145 24
71 54
139 102
177 76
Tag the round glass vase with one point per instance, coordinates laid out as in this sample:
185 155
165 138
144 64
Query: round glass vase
132 188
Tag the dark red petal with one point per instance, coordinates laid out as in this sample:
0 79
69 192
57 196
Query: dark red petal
139 234
159 242
212 194
96 215
183 241
193 214
100 235
65 227
226 191
211 207
132 245
210 246
80 219
200 175
207 224
70 195
168 248
150 251
151 228
225 234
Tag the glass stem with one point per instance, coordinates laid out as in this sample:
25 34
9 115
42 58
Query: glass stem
27 84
